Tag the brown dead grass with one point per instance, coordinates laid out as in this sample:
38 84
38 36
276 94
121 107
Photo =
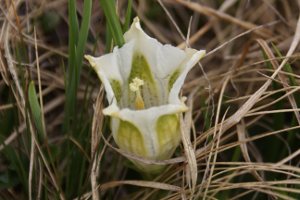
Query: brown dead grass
233 81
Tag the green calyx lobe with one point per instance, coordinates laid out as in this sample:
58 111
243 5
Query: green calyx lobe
168 135
130 138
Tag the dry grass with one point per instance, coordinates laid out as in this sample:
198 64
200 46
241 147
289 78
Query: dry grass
240 138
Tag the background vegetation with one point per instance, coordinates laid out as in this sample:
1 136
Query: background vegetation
244 98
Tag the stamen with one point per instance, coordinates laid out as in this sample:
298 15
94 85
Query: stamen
134 86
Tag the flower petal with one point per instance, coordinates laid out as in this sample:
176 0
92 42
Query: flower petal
163 59
192 57
107 70
113 70
145 117
167 63
150 123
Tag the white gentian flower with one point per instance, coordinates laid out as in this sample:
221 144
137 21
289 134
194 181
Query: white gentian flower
142 80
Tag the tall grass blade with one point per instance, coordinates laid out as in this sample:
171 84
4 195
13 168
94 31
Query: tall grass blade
77 41
127 16
83 35
69 81
109 10
35 110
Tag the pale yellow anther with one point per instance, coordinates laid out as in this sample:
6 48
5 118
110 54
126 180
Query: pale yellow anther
134 86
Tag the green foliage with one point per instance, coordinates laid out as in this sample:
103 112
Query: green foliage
128 16
77 41
50 20
64 138
36 110
109 9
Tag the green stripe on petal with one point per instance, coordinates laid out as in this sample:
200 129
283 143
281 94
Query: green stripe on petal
141 69
168 136
116 87
173 78
130 138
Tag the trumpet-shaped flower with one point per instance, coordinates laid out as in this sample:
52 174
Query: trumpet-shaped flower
142 80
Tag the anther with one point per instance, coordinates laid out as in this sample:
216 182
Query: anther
134 86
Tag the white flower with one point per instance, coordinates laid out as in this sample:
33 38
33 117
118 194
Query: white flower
142 80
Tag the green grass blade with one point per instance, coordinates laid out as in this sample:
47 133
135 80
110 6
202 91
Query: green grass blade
35 110
278 118
287 67
69 81
291 139
17 172
77 41
73 38
113 21
83 34
74 26
128 16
